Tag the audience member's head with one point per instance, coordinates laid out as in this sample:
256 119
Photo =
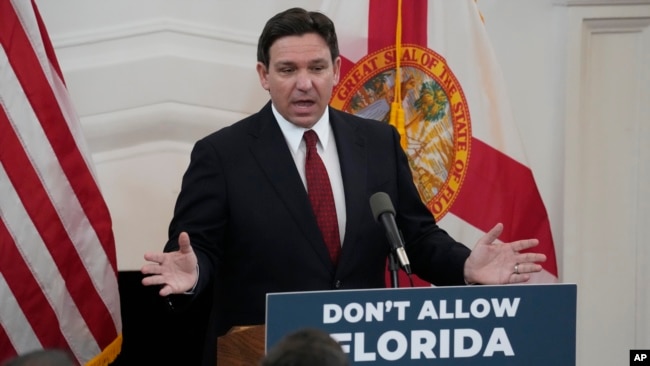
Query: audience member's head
306 347
46 357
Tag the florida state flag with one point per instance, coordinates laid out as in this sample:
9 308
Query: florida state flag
428 68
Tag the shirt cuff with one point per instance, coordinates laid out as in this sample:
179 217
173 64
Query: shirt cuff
191 291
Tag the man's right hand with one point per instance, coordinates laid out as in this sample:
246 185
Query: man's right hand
175 271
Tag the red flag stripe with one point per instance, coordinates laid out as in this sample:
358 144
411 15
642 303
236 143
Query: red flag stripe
49 50
503 190
346 65
6 347
382 23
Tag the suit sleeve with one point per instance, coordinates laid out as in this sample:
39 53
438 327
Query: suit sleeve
200 210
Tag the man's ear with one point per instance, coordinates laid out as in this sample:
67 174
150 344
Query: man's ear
263 73
337 70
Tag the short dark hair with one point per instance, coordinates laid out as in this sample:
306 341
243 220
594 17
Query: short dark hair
306 347
296 22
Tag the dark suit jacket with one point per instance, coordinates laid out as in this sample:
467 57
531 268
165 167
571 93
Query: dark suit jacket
251 224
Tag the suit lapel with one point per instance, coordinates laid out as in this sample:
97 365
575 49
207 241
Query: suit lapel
353 157
275 160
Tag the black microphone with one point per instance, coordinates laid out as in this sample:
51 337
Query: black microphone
384 212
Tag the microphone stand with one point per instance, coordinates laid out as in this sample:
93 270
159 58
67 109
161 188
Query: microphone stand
393 267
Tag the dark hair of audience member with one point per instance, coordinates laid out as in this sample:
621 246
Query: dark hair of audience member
306 347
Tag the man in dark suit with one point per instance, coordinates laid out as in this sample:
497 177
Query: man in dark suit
244 224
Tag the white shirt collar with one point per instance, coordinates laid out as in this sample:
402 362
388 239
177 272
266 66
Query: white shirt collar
293 134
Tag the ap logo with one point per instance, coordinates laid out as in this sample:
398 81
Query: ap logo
639 357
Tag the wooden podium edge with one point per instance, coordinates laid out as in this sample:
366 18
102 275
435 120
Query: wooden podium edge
241 346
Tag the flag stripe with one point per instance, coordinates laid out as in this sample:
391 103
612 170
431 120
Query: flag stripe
506 192
383 20
49 50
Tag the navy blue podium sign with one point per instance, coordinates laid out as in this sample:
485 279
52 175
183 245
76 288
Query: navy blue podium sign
471 325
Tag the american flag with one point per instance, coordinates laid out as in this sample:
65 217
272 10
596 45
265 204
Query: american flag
58 268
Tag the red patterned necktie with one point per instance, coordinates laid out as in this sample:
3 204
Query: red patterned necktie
321 197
